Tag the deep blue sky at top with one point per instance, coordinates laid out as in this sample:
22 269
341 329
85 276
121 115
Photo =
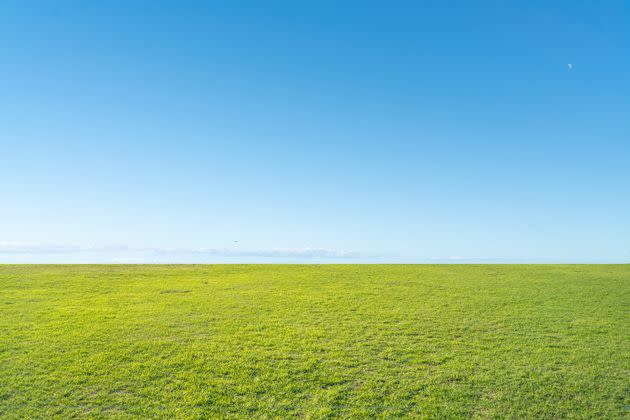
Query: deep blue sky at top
400 130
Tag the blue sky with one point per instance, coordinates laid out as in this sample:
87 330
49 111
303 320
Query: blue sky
329 132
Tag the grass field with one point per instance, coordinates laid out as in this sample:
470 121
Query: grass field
315 341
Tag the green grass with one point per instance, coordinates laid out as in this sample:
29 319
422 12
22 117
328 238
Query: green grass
315 341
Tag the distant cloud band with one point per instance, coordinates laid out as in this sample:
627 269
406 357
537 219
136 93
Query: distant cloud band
123 253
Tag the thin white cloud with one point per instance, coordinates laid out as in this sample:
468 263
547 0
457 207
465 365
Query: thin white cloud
274 252
30 253
25 248
457 258
25 252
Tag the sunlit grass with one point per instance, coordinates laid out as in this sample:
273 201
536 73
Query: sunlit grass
331 340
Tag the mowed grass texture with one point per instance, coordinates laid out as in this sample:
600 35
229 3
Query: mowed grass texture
348 341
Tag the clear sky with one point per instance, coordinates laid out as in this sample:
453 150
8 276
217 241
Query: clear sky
337 131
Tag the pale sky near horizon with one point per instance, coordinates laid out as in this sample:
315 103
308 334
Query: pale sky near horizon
466 131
